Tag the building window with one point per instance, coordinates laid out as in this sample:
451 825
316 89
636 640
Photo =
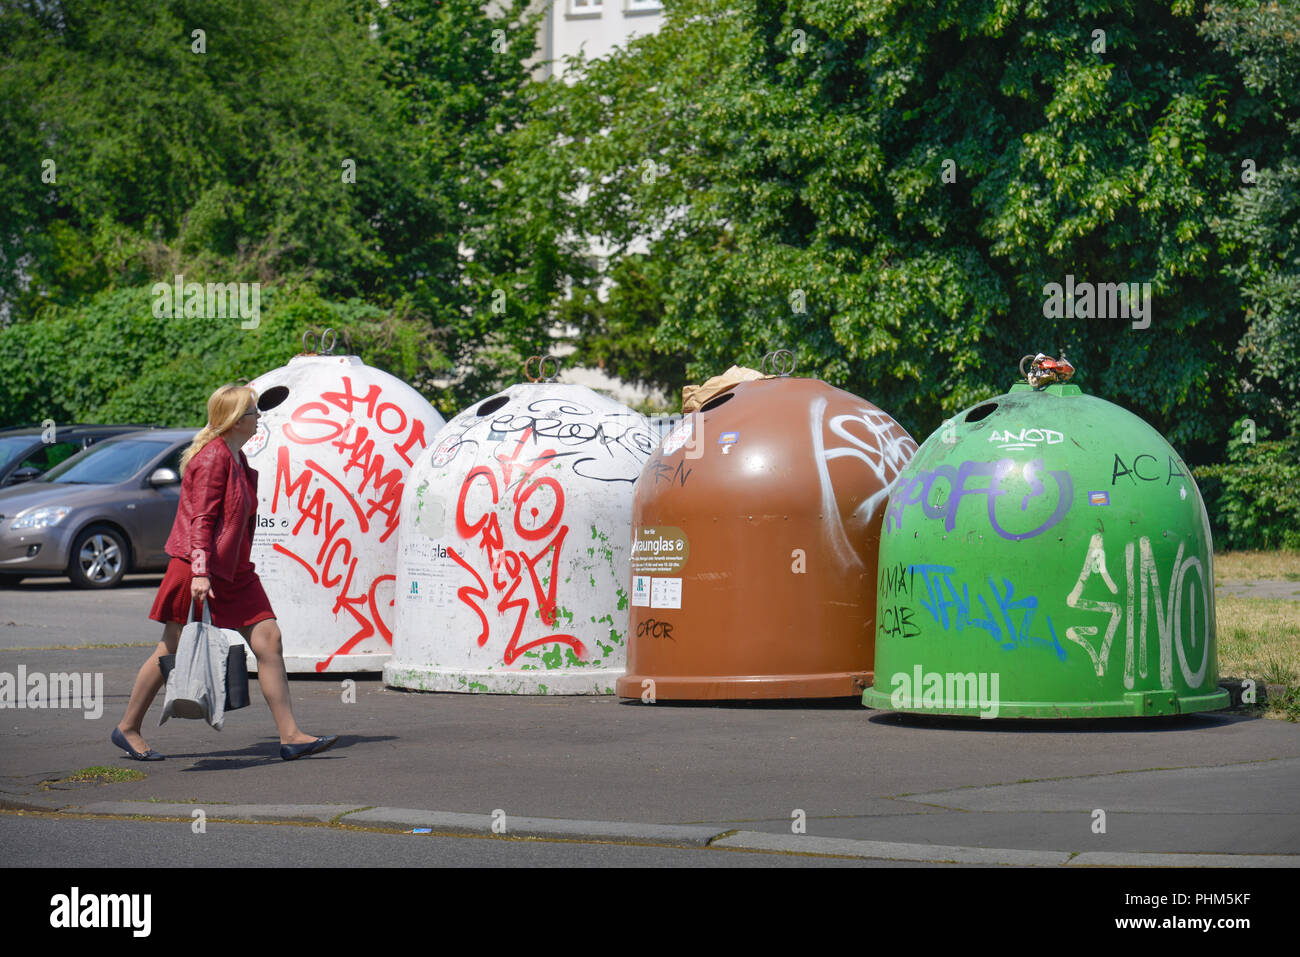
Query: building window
643 6
585 8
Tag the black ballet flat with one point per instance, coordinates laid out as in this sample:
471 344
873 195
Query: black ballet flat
292 752
119 739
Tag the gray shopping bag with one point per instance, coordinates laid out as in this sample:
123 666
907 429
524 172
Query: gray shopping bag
196 684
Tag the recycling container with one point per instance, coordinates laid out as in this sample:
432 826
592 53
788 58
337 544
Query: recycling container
513 555
755 527
1046 554
333 453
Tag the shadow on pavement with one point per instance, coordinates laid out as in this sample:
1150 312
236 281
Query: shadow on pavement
1180 722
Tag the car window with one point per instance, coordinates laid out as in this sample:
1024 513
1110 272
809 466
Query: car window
105 463
48 456
13 445
173 461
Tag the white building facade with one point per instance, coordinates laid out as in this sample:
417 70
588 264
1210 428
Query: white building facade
593 27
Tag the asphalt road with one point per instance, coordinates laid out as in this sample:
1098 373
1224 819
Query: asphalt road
865 786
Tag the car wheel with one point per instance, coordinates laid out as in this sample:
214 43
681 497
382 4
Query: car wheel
10 581
98 558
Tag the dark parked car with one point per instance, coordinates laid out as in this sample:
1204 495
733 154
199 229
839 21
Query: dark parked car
94 517
25 453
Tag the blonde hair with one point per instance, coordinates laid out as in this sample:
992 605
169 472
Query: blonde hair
226 407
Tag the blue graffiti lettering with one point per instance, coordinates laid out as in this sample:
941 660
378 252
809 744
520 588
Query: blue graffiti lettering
916 491
1011 627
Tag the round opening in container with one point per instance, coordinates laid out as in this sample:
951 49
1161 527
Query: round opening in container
981 412
716 401
491 405
272 397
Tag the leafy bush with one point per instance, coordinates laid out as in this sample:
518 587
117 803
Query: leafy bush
1254 498
108 358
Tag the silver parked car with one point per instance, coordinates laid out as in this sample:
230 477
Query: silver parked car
26 453
94 517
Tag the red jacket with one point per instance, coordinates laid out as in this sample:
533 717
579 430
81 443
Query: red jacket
218 508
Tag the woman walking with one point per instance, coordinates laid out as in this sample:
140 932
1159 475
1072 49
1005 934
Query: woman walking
210 547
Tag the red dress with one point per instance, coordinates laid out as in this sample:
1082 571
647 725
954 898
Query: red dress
234 603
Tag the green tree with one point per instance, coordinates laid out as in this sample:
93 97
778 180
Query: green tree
343 143
1263 225
189 136
462 74
888 189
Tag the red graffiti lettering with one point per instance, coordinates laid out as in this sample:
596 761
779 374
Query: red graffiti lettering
538 514
300 418
417 435
401 419
363 430
346 400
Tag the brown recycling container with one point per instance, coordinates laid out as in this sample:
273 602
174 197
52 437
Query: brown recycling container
755 529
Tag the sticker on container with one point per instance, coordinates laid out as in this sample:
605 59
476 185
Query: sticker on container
430 515
640 591
446 450
1098 498
727 440
661 550
679 436
258 441
666 593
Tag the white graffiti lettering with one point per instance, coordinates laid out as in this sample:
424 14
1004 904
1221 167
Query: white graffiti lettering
1147 603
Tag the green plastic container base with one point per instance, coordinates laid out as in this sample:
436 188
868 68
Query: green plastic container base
1136 704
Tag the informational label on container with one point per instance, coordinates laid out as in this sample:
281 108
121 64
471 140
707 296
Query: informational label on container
429 574
666 593
662 550
271 531
641 591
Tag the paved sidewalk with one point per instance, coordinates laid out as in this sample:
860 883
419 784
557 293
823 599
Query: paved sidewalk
1210 789
801 777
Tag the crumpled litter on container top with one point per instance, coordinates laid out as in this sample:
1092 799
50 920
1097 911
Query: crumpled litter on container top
694 396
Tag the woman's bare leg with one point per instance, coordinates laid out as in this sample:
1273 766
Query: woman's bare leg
264 639
147 684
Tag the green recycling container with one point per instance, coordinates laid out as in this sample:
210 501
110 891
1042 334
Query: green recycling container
1046 554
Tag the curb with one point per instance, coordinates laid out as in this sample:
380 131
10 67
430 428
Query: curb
257 813
885 850
407 819
443 822
625 832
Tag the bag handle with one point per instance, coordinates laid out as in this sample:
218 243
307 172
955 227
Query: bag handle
207 615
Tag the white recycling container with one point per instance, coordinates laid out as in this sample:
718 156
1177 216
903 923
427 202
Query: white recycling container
333 459
515 538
